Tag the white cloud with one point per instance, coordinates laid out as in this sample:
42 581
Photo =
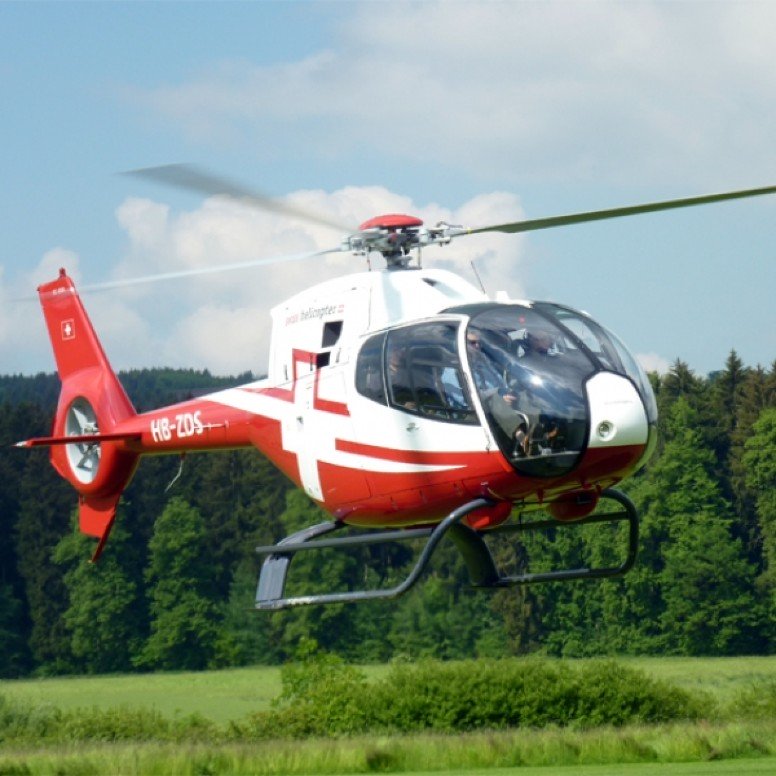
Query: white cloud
221 321
49 266
23 340
652 362
603 91
221 339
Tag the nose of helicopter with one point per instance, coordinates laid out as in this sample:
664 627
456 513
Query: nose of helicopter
620 439
618 417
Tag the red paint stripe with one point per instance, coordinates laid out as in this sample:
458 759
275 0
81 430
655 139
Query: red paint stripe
411 456
327 405
277 393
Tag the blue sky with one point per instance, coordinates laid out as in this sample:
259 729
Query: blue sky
475 112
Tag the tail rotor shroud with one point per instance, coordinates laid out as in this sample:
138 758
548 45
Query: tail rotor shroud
83 456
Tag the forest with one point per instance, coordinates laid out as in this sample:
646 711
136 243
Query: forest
175 586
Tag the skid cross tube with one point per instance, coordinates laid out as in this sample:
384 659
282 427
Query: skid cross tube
269 594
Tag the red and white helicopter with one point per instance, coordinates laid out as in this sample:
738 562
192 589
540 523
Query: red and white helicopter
403 400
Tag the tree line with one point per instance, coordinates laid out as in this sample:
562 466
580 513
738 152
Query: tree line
175 586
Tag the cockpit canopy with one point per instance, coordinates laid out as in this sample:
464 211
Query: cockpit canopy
528 366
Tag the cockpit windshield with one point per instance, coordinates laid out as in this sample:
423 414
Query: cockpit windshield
604 346
530 376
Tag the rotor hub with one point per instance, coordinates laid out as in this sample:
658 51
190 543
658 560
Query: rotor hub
395 235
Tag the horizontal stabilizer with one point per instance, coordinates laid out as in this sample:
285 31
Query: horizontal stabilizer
79 439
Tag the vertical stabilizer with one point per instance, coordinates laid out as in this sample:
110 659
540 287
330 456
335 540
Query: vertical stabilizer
92 401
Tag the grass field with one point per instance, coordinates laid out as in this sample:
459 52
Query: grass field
233 693
219 695
675 750
718 747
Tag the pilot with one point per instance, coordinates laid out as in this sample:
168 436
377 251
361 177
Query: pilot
530 388
484 371
515 408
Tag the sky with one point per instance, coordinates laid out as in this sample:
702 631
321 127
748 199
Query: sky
475 113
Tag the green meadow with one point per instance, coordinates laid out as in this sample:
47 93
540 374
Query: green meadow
219 695
232 693
674 750
724 744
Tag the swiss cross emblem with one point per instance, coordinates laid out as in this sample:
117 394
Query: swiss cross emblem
68 329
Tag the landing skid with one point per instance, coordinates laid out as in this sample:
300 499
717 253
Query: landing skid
471 544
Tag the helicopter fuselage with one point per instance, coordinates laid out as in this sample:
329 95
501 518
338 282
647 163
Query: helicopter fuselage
473 412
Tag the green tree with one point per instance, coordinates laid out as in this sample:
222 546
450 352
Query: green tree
185 619
323 571
104 616
16 422
45 505
247 637
760 465
12 645
727 398
695 581
755 397
241 496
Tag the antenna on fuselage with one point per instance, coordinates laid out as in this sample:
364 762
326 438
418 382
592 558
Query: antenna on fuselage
479 279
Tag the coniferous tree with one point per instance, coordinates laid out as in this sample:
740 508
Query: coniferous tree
727 391
689 592
322 571
13 649
705 602
241 496
755 397
247 637
760 464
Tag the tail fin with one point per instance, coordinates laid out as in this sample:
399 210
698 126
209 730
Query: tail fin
92 402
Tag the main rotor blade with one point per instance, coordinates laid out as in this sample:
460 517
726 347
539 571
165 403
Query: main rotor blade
185 273
633 210
191 178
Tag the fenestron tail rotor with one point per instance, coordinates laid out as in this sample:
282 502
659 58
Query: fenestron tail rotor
83 455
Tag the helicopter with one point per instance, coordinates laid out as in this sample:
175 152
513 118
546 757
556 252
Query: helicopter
404 401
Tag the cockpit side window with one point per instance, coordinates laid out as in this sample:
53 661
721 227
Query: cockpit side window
420 372
424 375
369 369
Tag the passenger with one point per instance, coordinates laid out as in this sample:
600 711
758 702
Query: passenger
399 381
